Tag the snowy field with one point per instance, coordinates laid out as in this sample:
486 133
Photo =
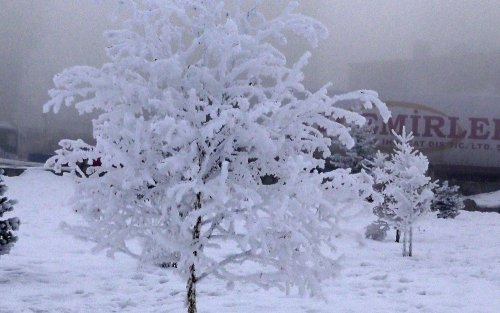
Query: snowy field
456 269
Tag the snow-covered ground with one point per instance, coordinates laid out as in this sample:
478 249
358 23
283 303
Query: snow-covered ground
456 269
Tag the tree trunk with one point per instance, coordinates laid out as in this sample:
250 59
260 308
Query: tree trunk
404 242
191 290
191 284
411 241
398 235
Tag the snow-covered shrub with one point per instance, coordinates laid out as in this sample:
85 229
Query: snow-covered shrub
206 138
406 188
447 200
7 226
377 230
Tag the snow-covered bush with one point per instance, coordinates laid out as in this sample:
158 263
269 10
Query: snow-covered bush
406 188
377 230
7 226
206 139
447 200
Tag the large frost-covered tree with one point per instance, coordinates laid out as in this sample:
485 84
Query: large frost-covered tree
196 108
7 226
406 188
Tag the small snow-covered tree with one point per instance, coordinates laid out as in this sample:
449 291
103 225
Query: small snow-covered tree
357 157
405 186
7 226
206 138
447 200
386 217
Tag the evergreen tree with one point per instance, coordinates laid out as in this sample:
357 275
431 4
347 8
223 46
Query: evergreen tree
386 217
357 157
7 226
196 108
405 186
447 200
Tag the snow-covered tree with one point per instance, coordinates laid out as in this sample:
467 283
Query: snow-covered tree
447 200
357 157
7 226
405 186
195 109
386 216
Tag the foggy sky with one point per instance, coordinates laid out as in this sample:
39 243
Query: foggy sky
363 30
40 38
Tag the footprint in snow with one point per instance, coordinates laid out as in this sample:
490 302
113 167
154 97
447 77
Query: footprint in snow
127 303
379 277
162 280
138 277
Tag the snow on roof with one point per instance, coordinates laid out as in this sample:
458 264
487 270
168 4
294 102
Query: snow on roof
487 200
